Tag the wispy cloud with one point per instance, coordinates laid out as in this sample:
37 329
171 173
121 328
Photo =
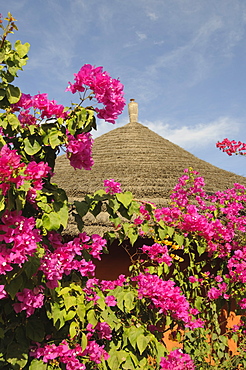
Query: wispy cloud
151 15
141 36
196 136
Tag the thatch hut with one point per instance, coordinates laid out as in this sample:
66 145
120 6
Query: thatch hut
142 161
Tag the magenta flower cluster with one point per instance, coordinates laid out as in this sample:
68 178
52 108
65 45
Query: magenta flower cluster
13 171
63 353
167 298
68 257
218 233
40 102
232 147
158 253
18 238
112 187
71 356
79 150
30 300
106 90
177 360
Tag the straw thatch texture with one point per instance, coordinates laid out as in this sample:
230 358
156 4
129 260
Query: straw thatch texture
142 161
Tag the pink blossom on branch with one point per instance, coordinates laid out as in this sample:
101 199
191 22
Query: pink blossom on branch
69 356
166 298
107 91
68 257
79 151
177 360
48 108
158 252
29 300
232 147
20 233
112 187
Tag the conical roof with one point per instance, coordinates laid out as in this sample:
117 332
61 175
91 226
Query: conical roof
143 162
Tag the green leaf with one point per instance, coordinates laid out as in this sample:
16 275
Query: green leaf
128 364
91 317
35 330
51 221
101 193
14 286
179 239
134 208
170 231
22 49
133 334
201 248
133 235
62 212
162 233
96 208
31 266
125 198
198 303
37 365
57 314
54 138
84 341
32 146
69 301
13 94
73 329
70 315
142 342
81 207
114 204
129 301
13 121
2 94
2 202
17 355
117 357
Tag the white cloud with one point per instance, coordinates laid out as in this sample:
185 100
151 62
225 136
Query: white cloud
152 16
141 35
197 136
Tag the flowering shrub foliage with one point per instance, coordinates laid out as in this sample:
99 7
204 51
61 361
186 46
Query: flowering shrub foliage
55 313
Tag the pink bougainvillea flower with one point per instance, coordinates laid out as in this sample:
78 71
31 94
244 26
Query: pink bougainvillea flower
158 252
30 300
79 150
3 293
111 301
106 90
232 147
48 108
177 360
166 297
112 187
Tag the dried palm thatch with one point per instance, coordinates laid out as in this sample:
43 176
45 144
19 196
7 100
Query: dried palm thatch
143 162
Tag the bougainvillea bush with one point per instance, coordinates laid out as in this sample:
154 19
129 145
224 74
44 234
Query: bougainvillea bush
184 279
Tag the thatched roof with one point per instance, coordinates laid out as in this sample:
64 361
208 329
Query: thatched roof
143 162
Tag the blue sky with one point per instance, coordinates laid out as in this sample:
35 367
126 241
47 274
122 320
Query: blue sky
182 60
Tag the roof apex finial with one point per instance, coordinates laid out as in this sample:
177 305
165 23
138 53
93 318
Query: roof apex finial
133 111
